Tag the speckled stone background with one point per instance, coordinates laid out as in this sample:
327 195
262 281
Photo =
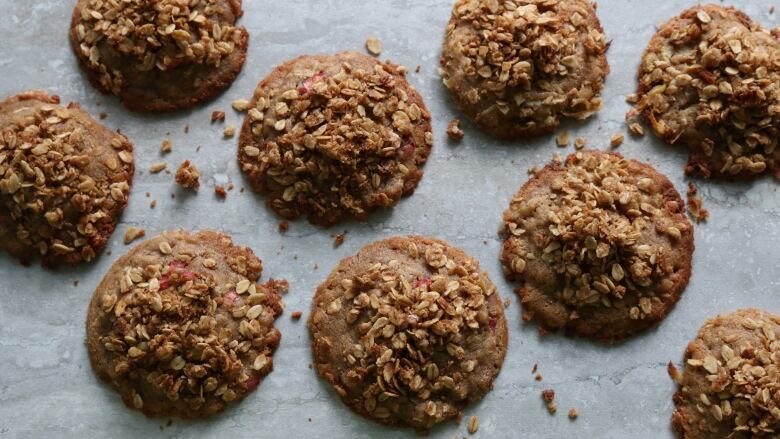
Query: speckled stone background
47 388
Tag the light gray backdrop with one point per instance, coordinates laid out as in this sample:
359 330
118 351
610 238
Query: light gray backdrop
47 388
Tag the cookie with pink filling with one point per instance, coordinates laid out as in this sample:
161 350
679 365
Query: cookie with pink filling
181 327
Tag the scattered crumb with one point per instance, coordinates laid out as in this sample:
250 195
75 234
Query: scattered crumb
316 266
230 131
473 424
549 399
580 143
241 190
153 204
617 140
241 105
772 9
417 69
674 373
632 98
133 233
284 226
220 191
76 283
535 368
695 204
218 116
173 196
636 129
296 315
158 167
198 148
187 129
231 186
563 139
533 170
166 146
103 116
188 176
339 239
538 377
148 194
573 413
507 302
374 46
454 131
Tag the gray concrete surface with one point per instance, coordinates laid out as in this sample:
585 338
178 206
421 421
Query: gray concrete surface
47 388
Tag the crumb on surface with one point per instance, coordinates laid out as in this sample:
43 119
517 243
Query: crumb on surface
548 395
133 233
374 46
338 240
220 191
230 131
580 143
538 377
166 146
636 129
187 176
563 139
156 168
76 282
617 140
218 116
187 129
573 413
473 425
674 373
103 115
453 130
296 315
153 204
696 205
284 226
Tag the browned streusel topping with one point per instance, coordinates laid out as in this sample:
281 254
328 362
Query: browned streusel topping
62 189
593 238
516 50
154 34
709 80
739 366
187 176
411 331
341 136
176 334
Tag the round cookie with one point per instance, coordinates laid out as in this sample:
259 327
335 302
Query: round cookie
64 180
335 136
180 327
730 387
159 55
408 331
601 245
517 67
708 81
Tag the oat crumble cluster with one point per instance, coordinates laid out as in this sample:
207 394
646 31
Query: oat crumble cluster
188 176
709 81
184 330
731 383
596 232
335 136
411 341
517 66
154 34
64 180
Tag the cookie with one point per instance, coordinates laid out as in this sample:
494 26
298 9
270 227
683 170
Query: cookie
180 327
160 55
64 180
517 67
601 245
334 137
708 81
730 387
408 331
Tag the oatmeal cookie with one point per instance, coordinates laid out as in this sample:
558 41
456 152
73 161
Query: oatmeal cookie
159 55
709 81
335 136
64 180
517 67
731 383
180 327
601 245
408 331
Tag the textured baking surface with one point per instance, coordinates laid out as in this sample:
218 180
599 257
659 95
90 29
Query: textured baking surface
48 388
